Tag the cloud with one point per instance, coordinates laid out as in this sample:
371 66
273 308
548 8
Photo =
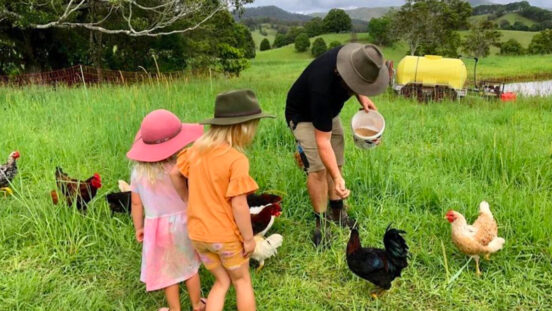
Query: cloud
309 6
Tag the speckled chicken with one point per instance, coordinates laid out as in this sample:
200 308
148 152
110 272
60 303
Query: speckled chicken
8 172
266 248
481 238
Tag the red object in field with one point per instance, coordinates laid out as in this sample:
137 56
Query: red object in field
508 97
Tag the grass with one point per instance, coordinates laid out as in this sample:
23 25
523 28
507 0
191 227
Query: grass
258 37
434 158
510 17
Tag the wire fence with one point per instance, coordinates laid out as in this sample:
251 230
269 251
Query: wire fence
83 75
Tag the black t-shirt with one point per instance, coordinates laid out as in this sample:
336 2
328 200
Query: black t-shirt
319 94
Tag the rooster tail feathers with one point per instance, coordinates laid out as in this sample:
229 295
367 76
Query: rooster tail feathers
496 245
484 208
354 242
394 243
123 186
275 240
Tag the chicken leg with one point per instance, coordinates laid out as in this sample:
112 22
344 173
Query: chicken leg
7 191
377 293
477 271
261 265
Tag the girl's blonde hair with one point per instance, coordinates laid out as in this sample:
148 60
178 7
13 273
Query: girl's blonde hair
153 171
236 135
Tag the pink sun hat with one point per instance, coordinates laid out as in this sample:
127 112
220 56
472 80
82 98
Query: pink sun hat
161 135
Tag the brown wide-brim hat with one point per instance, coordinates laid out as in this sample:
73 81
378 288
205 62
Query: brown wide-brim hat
236 107
362 67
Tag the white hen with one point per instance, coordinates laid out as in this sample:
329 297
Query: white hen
266 248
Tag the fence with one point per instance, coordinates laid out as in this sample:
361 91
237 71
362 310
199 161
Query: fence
81 74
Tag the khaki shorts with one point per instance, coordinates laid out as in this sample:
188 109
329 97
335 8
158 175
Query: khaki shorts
304 134
229 254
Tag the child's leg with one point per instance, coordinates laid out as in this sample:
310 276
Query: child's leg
217 295
173 297
193 285
244 289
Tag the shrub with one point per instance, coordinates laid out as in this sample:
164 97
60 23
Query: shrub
265 45
231 59
541 43
319 47
511 47
302 42
334 44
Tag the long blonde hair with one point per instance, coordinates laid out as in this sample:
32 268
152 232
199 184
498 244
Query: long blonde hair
237 136
153 171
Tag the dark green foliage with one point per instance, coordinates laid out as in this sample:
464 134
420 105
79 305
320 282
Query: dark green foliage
334 44
380 30
279 41
244 40
302 42
541 43
511 47
231 59
314 27
542 17
318 47
265 45
481 37
337 21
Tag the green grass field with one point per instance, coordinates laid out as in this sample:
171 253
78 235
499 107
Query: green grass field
510 17
434 157
258 37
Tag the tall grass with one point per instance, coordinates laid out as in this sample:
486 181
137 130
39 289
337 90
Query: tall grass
433 158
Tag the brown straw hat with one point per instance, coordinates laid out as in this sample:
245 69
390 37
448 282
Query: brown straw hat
235 107
363 69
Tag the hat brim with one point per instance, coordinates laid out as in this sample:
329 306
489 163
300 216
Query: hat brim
143 152
353 80
236 120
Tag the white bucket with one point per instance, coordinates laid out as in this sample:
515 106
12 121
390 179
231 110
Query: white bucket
367 128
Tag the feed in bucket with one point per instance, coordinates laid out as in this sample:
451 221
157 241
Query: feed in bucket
367 128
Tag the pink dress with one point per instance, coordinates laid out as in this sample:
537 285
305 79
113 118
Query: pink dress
168 256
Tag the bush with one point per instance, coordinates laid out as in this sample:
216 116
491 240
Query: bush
231 59
265 45
334 44
279 40
302 42
511 47
541 43
319 47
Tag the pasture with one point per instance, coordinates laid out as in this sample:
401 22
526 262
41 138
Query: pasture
434 157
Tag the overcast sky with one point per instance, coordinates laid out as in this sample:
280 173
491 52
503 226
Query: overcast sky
309 6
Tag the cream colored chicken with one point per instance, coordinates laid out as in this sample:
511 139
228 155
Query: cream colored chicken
478 239
266 248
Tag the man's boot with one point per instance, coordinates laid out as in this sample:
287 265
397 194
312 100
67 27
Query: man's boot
338 214
321 233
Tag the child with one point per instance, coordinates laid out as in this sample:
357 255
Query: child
219 222
168 257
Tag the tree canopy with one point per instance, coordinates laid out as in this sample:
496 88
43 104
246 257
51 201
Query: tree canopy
337 21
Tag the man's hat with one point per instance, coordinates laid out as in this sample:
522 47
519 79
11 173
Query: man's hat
363 69
235 107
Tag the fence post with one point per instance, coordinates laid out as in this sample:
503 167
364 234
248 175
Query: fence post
82 75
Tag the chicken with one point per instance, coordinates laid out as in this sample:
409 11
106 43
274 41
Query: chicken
481 238
264 208
8 172
80 192
120 202
266 248
379 266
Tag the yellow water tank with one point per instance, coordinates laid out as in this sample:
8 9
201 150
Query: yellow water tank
432 70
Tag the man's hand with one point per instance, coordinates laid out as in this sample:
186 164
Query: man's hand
340 188
366 103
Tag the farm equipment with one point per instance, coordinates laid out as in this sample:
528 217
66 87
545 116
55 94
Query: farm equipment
433 77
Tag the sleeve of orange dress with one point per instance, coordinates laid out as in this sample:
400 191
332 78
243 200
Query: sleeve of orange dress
182 163
240 181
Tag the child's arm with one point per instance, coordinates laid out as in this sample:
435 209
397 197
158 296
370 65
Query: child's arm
179 183
240 209
137 212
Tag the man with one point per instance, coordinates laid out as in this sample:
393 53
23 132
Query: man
312 112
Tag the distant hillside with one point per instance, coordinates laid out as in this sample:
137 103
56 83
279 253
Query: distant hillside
272 12
363 14
475 3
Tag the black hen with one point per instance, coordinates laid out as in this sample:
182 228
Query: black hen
119 202
379 266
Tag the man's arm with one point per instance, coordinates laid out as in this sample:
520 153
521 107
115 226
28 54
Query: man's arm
366 102
327 155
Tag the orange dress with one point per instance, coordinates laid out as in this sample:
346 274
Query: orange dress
214 179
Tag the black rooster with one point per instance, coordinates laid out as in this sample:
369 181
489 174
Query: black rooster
119 202
379 266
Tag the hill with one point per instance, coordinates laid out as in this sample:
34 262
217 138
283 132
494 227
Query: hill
363 14
510 17
272 12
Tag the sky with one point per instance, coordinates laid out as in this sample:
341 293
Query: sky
309 6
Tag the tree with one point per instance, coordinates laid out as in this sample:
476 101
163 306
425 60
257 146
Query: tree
380 30
244 40
481 37
279 40
319 47
511 47
541 43
337 21
231 59
334 44
265 45
302 42
314 27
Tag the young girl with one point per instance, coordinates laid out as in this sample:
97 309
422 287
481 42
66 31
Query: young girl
219 222
168 257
